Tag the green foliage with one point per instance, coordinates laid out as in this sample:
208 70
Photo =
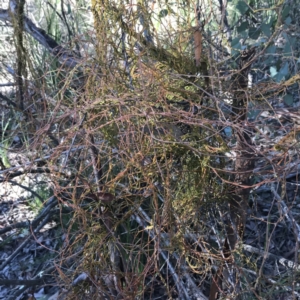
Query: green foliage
236 9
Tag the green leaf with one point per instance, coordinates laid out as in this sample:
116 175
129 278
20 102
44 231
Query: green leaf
236 9
266 29
271 49
283 73
242 27
242 7
269 61
285 11
287 51
228 131
288 99
163 13
254 33
252 114
273 71
235 41
285 69
288 20
272 20
235 46
288 47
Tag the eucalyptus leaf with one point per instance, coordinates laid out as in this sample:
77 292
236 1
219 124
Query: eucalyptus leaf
279 77
288 20
288 47
285 11
235 41
243 27
284 69
252 114
273 71
228 131
233 16
272 20
254 33
242 7
269 61
271 49
236 9
266 29
283 73
235 46
288 99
